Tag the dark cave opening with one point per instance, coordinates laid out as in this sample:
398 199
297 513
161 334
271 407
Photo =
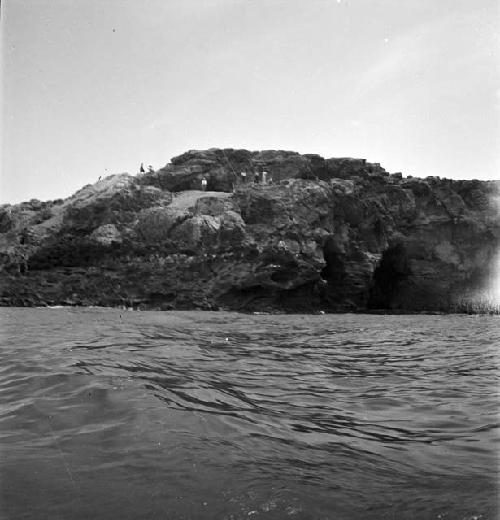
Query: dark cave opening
392 271
334 270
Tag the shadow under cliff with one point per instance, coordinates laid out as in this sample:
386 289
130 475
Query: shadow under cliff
389 277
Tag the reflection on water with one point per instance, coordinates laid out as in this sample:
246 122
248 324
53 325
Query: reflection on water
114 414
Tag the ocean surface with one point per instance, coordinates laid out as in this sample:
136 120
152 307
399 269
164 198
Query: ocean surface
110 414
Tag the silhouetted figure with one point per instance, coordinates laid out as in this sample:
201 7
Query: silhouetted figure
99 178
150 169
142 170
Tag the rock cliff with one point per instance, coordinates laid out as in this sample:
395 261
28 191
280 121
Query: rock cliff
330 234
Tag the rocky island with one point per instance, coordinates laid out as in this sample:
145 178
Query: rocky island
337 234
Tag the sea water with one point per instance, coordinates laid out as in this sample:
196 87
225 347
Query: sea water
191 415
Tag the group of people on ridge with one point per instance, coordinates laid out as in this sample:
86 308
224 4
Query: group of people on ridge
258 178
150 169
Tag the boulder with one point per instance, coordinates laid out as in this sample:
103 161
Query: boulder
106 234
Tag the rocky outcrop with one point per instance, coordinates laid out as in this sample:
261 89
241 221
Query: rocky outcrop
331 234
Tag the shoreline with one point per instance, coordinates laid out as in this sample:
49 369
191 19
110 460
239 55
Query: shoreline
378 312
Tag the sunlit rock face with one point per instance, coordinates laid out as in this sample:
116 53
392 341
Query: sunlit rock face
330 234
494 288
491 289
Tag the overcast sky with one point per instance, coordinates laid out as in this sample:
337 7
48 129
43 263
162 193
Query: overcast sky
94 87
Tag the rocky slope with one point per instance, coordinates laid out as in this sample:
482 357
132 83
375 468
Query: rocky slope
331 234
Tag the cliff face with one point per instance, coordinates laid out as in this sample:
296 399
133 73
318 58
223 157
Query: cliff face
332 234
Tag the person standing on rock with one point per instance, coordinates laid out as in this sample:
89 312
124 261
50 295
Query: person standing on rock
142 170
204 184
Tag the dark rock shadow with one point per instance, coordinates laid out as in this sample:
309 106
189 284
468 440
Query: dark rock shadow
388 278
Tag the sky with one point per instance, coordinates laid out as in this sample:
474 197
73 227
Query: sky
95 87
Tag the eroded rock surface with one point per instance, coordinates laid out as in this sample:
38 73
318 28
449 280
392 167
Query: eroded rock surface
331 234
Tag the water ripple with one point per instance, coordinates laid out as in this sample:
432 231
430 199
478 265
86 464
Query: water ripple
220 415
